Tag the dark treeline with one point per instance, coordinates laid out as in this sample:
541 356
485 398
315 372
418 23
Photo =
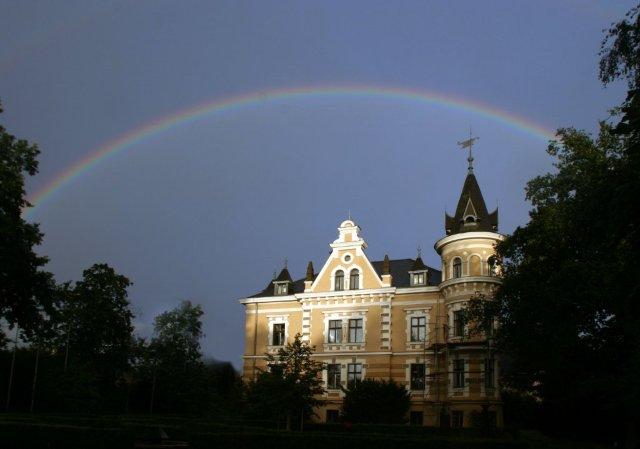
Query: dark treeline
85 358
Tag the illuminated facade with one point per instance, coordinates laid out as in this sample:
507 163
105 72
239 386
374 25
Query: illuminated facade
393 319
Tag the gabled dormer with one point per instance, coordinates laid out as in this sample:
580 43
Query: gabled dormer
471 213
419 273
283 284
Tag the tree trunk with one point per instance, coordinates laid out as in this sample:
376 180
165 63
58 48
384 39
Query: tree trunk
288 422
35 379
153 388
13 364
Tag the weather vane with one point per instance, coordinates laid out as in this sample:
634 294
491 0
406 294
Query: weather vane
469 144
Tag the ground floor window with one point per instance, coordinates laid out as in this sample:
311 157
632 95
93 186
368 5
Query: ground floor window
354 372
417 376
333 416
457 419
458 373
416 418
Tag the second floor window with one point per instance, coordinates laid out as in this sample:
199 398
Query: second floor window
339 281
458 373
278 334
457 267
333 376
489 373
417 376
356 334
354 372
335 331
418 328
354 280
458 323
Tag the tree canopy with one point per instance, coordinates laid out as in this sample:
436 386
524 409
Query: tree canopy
568 308
376 401
26 290
289 388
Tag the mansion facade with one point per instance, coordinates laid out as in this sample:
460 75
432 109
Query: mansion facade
393 319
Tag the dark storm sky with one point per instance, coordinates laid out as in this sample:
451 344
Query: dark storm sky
207 210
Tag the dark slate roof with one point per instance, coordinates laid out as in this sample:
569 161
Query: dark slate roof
284 276
418 265
399 271
485 221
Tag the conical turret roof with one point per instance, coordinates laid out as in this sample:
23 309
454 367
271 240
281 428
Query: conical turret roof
471 214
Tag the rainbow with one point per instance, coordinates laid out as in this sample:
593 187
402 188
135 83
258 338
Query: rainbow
134 136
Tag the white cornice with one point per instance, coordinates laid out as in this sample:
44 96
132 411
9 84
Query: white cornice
346 293
466 236
405 290
471 280
284 298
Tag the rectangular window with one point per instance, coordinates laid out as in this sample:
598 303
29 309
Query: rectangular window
458 373
356 334
354 372
333 416
418 279
489 373
278 334
458 323
417 376
418 328
416 418
457 419
281 289
335 331
333 376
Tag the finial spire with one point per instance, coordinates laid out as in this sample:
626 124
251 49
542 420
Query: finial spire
469 144
419 251
286 262
349 214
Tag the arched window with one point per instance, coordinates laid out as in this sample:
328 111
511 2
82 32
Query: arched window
354 281
493 266
457 267
470 219
339 281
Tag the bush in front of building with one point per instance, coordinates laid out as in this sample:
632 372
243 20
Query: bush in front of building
375 402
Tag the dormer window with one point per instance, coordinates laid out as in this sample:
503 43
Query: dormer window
338 283
418 278
354 279
281 288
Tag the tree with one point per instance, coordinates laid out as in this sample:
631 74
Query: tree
26 290
173 368
568 308
376 402
289 388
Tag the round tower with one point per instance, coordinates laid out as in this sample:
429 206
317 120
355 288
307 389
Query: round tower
468 250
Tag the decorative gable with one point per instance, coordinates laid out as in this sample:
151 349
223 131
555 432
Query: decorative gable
347 268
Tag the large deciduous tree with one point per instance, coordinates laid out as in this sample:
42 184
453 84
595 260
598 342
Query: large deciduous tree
97 319
26 290
569 306
288 390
